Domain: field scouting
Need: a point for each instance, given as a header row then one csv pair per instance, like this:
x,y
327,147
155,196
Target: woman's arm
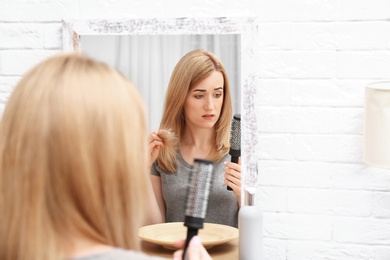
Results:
x,y
154,214
156,183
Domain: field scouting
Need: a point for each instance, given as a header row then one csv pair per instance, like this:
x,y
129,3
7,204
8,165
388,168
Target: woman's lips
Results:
x,y
208,117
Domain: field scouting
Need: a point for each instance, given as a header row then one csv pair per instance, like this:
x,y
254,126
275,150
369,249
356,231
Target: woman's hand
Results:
x,y
233,177
155,143
195,250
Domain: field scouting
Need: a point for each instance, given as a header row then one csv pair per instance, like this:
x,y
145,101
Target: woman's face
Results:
x,y
204,102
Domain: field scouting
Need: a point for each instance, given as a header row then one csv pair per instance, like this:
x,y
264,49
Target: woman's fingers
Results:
x,y
233,176
154,137
232,171
233,183
155,142
235,166
195,251
179,244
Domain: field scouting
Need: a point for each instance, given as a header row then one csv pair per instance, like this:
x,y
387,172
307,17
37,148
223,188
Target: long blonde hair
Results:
x,y
192,68
72,157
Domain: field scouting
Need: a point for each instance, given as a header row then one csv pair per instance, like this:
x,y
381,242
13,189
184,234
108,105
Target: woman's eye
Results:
x,y
198,96
217,95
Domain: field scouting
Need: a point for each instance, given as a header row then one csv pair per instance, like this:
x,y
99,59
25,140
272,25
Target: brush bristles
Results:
x,y
198,192
235,134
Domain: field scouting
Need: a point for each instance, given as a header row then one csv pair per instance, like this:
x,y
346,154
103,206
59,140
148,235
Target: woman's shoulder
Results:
x,y
119,254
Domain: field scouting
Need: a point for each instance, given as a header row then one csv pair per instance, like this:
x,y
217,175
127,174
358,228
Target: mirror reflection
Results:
x,y
196,125
148,61
237,34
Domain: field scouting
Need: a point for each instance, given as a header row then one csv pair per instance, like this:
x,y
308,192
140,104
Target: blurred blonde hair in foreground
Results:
x,y
73,159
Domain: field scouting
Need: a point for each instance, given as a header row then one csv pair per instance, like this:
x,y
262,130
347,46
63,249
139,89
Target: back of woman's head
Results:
x,y
72,159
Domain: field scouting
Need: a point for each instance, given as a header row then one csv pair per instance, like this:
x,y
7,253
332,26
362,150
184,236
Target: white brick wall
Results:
x,y
314,58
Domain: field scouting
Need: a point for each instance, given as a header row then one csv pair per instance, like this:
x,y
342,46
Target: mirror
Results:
x,y
225,30
148,61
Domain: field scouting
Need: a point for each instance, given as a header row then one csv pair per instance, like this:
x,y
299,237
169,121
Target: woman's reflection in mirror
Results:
x,y
196,123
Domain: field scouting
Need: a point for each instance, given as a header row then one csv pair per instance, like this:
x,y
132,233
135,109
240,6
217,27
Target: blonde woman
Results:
x,y
196,123
73,159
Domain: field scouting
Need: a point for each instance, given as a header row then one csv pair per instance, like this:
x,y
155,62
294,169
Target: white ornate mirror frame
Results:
x,y
246,28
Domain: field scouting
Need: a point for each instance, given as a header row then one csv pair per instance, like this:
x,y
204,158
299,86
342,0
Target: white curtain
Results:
x,y
148,61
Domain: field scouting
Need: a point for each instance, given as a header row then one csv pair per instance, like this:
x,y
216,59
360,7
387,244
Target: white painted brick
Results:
x,y
274,92
381,253
363,65
330,202
213,8
276,146
273,199
362,231
351,251
282,40
348,36
275,225
21,36
323,175
310,120
303,10
340,93
120,8
52,36
330,148
295,174
38,10
295,120
363,35
274,249
315,36
297,226
381,204
309,227
151,8
7,84
4,96
381,177
297,64
364,10
347,120
359,177
17,62
305,250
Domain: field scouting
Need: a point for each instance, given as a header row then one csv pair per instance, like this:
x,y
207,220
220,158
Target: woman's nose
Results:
x,y
209,104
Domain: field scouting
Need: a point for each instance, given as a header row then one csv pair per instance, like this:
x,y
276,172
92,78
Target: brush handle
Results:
x,y
191,232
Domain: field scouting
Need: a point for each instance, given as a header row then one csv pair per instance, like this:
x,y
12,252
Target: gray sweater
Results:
x,y
222,206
